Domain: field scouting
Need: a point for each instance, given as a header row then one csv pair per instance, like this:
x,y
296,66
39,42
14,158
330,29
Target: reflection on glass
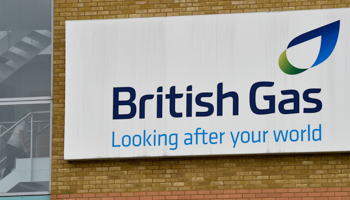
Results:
x,y
25,48
25,71
24,148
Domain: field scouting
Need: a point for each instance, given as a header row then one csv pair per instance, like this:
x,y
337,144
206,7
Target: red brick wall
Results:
x,y
251,194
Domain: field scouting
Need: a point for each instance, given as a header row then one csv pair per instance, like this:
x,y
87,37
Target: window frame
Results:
x,y
37,100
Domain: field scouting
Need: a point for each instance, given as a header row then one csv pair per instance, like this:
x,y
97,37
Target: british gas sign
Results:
x,y
208,85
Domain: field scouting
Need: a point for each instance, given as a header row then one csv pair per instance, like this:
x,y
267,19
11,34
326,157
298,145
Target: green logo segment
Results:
x,y
329,36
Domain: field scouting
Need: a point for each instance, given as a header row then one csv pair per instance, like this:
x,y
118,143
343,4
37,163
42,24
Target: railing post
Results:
x,y
37,141
31,147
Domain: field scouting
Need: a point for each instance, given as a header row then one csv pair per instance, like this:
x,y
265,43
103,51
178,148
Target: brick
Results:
x,y
314,194
288,194
335,198
62,196
223,196
146,198
197,196
248,195
303,194
140,193
327,194
236,195
345,189
217,192
275,195
127,194
308,189
242,191
101,195
184,197
158,197
152,193
205,192
229,191
191,192
89,195
281,190
308,198
341,194
264,195
294,190
211,196
164,193
172,197
334,189
321,190
120,198
268,190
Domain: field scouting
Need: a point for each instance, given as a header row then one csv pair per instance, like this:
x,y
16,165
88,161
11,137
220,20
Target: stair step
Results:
x,y
30,187
38,37
3,60
26,47
13,56
5,69
4,66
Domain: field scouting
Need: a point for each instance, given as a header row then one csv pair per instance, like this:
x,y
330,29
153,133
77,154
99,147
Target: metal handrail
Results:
x,y
3,34
42,130
28,140
31,140
37,134
3,127
27,115
36,121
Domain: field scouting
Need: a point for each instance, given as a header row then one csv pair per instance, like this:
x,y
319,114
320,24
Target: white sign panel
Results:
x,y
208,85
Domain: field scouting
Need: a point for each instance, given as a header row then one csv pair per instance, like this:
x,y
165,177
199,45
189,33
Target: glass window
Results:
x,y
25,148
25,80
25,48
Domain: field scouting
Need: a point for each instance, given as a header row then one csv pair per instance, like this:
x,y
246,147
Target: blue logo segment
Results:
x,y
329,37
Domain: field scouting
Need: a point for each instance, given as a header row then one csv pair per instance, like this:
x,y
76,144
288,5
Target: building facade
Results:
x,y
278,176
283,176
26,98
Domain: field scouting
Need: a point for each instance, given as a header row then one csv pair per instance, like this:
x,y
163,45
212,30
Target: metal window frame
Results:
x,y
50,153
25,194
37,100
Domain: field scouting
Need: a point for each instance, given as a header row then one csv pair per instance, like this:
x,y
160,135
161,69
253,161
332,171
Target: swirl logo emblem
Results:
x,y
329,36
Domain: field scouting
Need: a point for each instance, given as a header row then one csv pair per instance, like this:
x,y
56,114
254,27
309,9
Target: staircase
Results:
x,y
19,47
33,175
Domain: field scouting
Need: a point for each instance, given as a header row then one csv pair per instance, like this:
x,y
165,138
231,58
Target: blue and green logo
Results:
x,y
329,36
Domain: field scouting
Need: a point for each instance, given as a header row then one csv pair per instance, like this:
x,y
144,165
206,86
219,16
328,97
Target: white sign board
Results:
x,y
208,85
